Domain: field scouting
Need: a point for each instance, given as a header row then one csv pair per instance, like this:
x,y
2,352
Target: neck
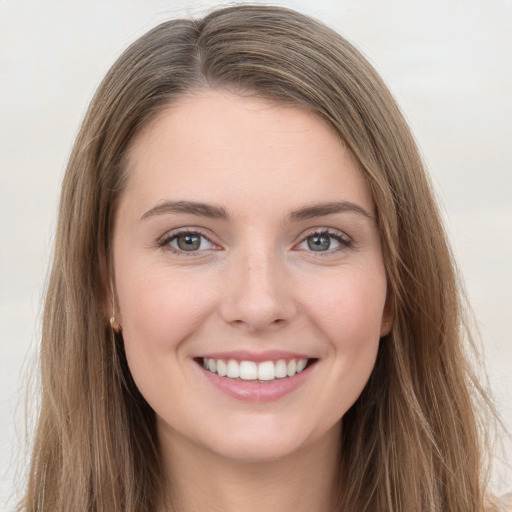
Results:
x,y
300,482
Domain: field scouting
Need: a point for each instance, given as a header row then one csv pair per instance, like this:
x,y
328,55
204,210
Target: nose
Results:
x,y
257,295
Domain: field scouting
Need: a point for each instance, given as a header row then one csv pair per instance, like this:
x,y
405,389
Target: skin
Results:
x,y
254,284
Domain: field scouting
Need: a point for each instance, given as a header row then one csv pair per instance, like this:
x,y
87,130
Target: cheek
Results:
x,y
347,312
160,314
349,307
158,309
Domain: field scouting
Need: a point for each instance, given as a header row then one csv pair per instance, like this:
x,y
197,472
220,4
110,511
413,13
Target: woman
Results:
x,y
252,301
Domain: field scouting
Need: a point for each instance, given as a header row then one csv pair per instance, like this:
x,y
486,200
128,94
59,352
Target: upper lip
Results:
x,y
257,357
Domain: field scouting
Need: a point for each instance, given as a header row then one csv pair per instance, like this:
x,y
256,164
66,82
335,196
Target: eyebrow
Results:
x,y
218,212
329,208
191,207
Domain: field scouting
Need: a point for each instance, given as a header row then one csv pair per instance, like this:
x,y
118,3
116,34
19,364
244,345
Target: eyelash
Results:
x,y
344,241
165,242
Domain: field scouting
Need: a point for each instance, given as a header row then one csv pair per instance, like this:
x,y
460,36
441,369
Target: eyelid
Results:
x,y
344,240
165,240
326,231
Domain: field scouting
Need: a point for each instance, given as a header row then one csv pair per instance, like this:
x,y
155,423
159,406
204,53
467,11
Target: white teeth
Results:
x,y
291,369
301,364
281,369
233,371
266,371
222,368
250,370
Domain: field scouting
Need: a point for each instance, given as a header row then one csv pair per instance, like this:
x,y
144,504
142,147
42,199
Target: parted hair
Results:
x,y
415,438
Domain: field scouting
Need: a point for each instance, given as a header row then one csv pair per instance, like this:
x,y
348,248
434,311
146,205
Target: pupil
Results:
x,y
319,242
189,242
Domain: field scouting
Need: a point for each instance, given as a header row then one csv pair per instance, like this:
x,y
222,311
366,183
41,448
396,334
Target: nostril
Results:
x,y
255,325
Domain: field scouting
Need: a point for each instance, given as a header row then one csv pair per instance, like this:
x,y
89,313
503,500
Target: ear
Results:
x,y
110,307
109,296
388,317
106,289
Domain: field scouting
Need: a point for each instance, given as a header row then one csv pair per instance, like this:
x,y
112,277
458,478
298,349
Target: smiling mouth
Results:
x,y
265,372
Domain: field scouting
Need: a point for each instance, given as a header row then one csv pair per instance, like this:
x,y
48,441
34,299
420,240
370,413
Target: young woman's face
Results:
x,y
246,242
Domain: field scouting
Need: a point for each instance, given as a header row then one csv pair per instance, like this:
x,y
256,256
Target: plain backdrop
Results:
x,y
448,62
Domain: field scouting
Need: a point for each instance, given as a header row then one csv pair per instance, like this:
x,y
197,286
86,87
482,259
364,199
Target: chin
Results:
x,y
259,449
266,440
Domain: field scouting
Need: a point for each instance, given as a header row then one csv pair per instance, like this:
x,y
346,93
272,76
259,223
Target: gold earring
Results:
x,y
115,325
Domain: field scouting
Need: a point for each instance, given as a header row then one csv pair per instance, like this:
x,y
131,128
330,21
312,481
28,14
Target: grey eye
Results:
x,y
324,241
319,242
189,242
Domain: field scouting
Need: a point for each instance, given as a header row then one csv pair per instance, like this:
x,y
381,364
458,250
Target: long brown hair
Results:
x,y
412,441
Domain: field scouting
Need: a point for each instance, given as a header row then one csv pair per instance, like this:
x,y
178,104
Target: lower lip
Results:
x,y
251,391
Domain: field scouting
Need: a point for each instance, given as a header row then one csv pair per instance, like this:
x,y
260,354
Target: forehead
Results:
x,y
217,146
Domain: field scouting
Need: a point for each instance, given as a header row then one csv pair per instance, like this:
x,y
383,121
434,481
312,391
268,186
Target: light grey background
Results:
x,y
448,62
